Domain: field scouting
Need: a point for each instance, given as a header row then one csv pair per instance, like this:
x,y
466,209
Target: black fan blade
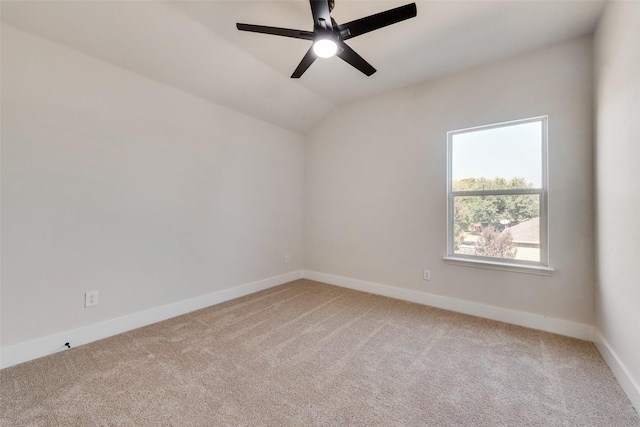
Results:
x,y
305,63
374,22
321,14
285,32
349,55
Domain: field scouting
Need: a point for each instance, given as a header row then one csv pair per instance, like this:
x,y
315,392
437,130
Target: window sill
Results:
x,y
497,265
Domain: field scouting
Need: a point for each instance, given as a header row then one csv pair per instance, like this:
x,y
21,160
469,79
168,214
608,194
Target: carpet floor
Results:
x,y
307,353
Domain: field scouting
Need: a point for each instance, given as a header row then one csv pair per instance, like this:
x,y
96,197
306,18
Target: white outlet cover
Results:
x,y
90,298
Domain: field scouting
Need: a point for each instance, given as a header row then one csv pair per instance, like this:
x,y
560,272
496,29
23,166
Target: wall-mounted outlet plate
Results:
x,y
287,259
90,298
426,275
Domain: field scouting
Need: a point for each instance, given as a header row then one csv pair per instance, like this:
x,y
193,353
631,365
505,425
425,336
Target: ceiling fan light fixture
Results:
x,y
328,37
325,48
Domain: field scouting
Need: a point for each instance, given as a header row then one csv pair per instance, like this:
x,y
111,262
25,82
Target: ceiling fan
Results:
x,y
329,38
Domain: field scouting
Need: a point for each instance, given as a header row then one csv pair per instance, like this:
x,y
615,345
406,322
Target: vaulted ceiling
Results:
x,y
195,46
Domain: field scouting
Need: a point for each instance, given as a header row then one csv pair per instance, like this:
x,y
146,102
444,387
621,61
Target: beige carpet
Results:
x,y
307,353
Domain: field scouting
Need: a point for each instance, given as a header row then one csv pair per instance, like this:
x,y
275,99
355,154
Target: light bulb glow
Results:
x,y
325,48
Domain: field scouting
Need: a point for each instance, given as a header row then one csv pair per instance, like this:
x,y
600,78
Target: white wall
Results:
x,y
375,183
117,183
617,64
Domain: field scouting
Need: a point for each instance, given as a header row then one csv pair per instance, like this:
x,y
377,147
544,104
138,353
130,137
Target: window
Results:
x,y
497,196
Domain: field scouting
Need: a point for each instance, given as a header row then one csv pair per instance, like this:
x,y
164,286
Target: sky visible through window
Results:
x,y
507,152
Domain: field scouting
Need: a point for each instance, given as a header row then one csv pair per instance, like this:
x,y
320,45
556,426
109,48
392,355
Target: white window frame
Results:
x,y
521,266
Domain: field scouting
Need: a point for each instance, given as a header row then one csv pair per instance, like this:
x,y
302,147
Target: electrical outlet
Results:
x,y
287,259
90,298
426,275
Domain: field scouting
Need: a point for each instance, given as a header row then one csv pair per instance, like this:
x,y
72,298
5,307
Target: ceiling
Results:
x,y
194,45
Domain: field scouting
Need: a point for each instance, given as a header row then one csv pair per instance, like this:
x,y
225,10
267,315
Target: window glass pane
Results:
x,y
503,157
505,227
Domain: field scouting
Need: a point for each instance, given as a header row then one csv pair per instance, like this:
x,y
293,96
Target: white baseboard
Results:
x,y
529,320
622,374
40,347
